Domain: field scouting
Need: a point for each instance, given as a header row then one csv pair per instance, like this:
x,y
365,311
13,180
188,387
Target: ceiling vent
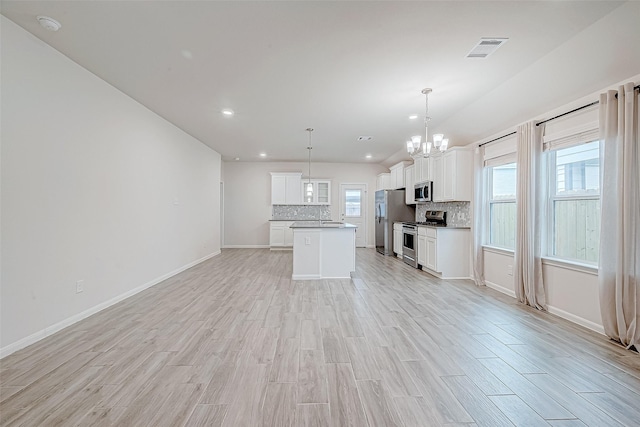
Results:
x,y
485,47
364,138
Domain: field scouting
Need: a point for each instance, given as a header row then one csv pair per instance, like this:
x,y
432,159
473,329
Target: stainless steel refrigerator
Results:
x,y
390,208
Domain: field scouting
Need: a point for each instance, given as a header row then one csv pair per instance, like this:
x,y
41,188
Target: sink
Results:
x,y
332,222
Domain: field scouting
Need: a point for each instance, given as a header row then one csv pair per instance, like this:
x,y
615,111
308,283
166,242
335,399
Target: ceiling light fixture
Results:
x,y
49,23
413,117
414,148
228,112
368,156
308,193
263,154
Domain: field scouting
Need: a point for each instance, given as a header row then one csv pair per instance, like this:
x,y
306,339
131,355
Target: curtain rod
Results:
x,y
568,112
552,118
500,137
577,109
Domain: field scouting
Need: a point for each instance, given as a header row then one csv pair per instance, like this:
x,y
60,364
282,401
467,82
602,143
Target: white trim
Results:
x,y
576,319
50,330
440,276
570,265
501,289
281,248
246,247
499,251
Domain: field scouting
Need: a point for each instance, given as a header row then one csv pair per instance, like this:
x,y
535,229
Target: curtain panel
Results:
x,y
478,215
619,261
530,203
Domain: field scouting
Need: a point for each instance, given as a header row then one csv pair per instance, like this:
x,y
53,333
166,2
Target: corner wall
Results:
x,y
95,187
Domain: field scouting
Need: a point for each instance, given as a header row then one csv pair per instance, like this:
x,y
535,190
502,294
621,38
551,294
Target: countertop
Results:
x,y
448,227
322,224
294,220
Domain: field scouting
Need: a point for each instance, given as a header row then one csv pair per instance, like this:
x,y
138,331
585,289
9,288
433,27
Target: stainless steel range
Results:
x,y
410,235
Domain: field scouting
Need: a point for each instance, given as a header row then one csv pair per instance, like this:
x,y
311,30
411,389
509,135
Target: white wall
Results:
x,y
95,187
572,292
247,188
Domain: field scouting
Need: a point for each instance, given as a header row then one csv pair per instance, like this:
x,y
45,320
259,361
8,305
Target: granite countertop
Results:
x,y
458,227
294,220
322,224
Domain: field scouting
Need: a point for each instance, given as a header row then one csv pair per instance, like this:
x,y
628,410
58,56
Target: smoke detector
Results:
x,y
485,47
49,23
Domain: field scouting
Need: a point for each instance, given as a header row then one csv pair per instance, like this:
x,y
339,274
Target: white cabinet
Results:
x,y
397,177
285,188
423,169
397,239
320,192
409,181
422,249
280,234
438,179
444,252
383,182
453,173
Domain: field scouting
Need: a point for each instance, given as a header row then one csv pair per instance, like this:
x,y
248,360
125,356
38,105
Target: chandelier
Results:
x,y
308,192
414,146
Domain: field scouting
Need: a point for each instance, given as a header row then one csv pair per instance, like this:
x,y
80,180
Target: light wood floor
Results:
x,y
234,342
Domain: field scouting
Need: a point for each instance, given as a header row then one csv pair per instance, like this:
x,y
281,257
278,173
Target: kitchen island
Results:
x,y
323,250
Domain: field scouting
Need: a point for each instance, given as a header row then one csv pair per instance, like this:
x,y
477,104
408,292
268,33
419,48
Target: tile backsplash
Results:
x,y
458,213
300,212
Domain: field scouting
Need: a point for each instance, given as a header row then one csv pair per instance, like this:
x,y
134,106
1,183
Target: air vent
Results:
x,y
364,138
485,47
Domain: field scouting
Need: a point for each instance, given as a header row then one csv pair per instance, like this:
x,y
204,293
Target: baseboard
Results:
x,y
500,289
576,319
246,247
50,330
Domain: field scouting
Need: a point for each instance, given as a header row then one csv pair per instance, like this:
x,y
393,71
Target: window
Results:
x,y
502,205
353,202
574,203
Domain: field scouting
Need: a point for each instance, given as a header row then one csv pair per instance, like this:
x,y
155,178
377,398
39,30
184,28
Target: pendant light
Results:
x,y
308,193
414,147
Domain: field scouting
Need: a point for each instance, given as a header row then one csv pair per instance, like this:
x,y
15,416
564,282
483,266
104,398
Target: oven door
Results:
x,y
409,243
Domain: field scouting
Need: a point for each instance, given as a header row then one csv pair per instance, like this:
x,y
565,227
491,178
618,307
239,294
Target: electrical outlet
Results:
x,y
79,286
510,270
307,240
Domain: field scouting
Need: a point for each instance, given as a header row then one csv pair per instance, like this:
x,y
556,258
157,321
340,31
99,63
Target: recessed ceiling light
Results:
x,y
263,154
186,53
237,159
228,112
49,23
413,117
368,156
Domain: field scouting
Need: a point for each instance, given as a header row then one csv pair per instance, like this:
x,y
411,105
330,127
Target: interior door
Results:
x,y
353,209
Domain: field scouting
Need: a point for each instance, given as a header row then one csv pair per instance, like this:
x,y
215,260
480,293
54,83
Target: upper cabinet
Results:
x,y
452,172
423,169
409,181
285,188
383,182
320,193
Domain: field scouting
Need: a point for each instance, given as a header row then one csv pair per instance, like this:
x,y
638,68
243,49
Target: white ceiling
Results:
x,y
344,68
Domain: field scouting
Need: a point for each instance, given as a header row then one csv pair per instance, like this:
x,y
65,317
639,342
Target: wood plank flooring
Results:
x,y
235,342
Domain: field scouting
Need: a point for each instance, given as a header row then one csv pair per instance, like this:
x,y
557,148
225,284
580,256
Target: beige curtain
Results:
x,y
478,217
530,203
619,269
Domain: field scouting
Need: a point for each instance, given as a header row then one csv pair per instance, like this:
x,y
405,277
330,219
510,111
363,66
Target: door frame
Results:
x,y
364,206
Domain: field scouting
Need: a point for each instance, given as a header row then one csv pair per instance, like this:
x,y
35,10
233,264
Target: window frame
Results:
x,y
489,201
552,197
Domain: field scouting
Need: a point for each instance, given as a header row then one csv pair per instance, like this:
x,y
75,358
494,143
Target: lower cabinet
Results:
x,y
444,252
397,239
281,235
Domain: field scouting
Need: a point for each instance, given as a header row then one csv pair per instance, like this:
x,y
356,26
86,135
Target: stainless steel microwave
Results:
x,y
423,191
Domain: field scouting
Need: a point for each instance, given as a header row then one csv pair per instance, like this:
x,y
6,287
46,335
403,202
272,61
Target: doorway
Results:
x,y
353,209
